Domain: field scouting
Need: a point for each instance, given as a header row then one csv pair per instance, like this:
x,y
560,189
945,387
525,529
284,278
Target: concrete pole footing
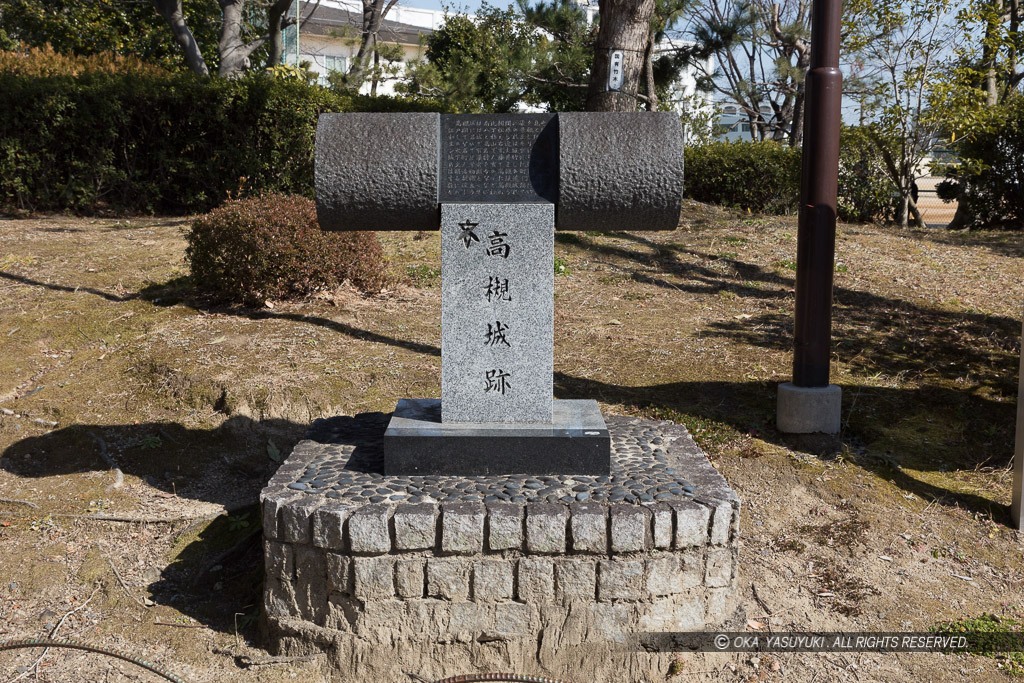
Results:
x,y
808,410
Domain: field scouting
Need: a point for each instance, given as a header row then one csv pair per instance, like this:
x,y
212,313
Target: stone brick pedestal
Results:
x,y
438,576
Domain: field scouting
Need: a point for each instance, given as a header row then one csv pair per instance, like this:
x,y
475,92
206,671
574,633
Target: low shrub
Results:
x,y
270,247
759,176
765,177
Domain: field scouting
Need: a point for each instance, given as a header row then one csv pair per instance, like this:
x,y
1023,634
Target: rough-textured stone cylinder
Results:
x,y
377,171
619,171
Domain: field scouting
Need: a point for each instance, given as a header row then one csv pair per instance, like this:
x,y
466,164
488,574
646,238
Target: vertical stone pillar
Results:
x,y
497,312
1018,454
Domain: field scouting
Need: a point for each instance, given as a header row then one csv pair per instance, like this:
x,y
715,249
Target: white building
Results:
x,y
330,32
733,124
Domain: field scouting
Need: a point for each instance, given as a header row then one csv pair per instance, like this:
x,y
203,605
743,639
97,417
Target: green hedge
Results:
x,y
865,192
759,176
168,143
102,134
765,177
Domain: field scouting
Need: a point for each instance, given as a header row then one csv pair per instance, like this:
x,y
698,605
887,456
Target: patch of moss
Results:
x,y
991,635
711,435
422,275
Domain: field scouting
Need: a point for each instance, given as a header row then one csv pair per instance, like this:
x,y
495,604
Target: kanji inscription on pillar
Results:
x,y
497,283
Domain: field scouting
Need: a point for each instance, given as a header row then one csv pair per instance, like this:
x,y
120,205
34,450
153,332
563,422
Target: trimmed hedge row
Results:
x,y
170,143
764,177
760,176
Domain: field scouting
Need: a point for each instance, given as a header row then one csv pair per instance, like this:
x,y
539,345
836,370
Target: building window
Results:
x,y
730,110
332,63
745,127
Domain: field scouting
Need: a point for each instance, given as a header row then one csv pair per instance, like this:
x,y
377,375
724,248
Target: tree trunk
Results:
x,y
234,53
374,12
990,52
796,127
902,211
650,88
172,13
275,25
792,44
376,69
915,212
961,218
625,25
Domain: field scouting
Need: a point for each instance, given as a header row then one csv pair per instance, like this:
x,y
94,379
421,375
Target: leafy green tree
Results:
x,y
980,92
6,42
1002,45
662,67
541,54
900,45
988,181
565,50
225,36
477,66
125,27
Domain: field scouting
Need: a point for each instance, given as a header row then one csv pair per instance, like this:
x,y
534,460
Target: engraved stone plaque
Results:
x,y
497,312
499,158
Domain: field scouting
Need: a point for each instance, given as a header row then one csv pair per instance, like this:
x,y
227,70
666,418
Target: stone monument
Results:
x,y
496,525
497,186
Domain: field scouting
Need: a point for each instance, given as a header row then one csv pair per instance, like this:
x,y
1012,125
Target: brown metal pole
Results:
x,y
816,236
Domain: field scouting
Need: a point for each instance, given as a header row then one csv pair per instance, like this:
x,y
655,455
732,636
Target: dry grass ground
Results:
x,y
106,355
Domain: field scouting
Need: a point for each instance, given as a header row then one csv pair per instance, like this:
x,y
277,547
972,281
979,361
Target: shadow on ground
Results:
x,y
881,427
938,349
216,574
217,568
870,332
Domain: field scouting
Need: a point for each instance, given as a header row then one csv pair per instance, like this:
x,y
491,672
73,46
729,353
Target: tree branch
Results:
x,y
173,14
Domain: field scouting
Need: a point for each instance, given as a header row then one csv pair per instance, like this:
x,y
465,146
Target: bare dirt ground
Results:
x,y
109,359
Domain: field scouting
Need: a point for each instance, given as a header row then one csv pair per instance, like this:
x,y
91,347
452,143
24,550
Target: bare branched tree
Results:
x,y
762,52
233,49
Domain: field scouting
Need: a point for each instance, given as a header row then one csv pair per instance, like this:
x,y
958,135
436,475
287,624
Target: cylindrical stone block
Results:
x,y
377,171
619,171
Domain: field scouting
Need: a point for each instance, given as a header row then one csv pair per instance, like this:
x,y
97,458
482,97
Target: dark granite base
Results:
x,y
417,443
